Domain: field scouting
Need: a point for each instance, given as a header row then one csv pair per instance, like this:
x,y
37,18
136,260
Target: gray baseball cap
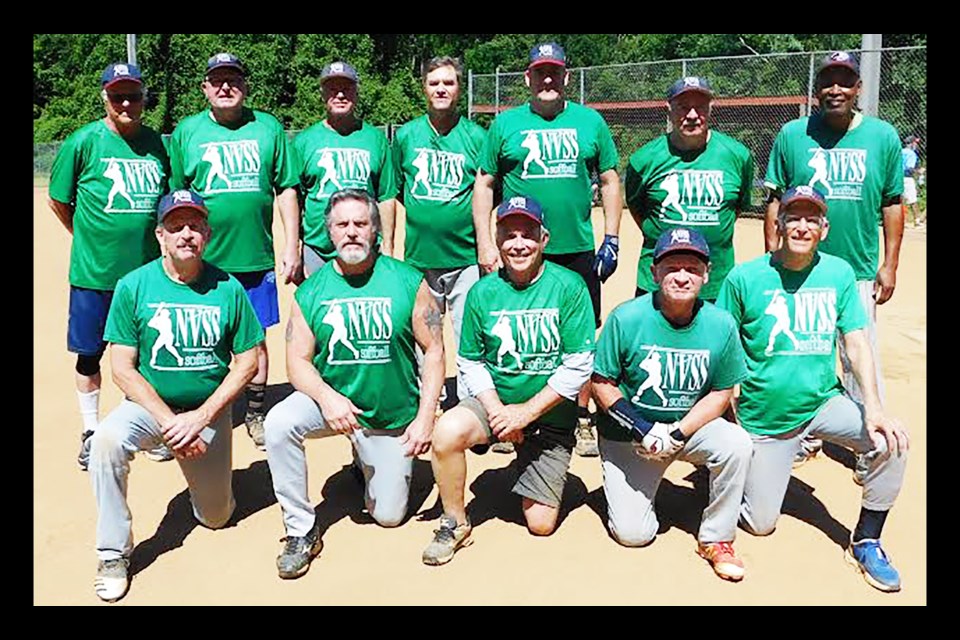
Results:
x,y
339,69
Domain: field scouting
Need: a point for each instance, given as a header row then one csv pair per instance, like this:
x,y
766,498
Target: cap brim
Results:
x,y
518,212
339,75
822,206
544,61
706,92
683,248
231,65
122,79
845,65
185,205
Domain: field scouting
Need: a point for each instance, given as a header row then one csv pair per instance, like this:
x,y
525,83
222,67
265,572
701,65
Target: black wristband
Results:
x,y
624,413
676,434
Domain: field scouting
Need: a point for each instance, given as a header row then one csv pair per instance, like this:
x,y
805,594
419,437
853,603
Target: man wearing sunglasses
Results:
x,y
854,160
104,187
238,159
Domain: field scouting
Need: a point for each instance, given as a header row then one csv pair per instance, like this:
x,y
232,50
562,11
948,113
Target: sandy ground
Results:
x,y
177,562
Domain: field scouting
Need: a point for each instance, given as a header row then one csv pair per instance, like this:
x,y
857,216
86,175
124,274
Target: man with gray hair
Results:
x,y
350,358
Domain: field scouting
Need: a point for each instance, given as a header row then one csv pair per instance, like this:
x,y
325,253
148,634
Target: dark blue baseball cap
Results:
x,y
339,69
690,83
803,193
180,199
521,206
219,60
547,53
681,239
839,59
120,71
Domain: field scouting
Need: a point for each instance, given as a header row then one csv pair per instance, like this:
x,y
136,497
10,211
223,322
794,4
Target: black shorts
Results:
x,y
582,263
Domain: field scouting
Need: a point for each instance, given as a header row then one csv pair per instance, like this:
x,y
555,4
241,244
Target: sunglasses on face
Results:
x,y
120,98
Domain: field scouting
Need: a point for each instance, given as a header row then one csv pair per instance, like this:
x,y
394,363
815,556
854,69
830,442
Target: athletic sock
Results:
x,y
583,412
870,525
89,409
255,392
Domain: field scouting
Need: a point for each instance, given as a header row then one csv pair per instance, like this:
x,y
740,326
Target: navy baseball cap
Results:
x,y
803,193
839,59
219,60
120,71
339,69
521,206
180,199
690,83
681,239
547,53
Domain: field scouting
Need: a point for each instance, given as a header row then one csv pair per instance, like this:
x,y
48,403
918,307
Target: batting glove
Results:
x,y
658,444
606,261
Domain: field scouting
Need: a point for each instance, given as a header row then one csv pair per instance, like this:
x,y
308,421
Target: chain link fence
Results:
x,y
756,95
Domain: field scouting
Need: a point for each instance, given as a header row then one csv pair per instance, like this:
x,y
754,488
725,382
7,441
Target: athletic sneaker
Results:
x,y
255,430
722,558
502,447
586,439
809,448
868,556
294,560
83,459
446,540
112,580
160,453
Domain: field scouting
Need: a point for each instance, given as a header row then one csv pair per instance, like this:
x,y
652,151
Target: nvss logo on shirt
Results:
x,y
341,169
802,323
232,167
439,175
134,184
186,335
529,340
673,377
838,173
695,194
360,330
550,153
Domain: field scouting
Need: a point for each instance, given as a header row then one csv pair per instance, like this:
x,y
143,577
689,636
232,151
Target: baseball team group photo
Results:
x,y
413,319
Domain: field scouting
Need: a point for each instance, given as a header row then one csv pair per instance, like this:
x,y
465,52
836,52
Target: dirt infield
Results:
x,y
177,562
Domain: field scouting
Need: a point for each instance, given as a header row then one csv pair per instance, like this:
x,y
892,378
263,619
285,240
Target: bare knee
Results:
x,y
451,433
541,519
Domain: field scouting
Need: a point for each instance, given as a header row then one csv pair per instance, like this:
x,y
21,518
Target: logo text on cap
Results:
x,y
518,202
680,235
336,67
546,50
223,57
182,196
121,70
804,190
839,56
691,82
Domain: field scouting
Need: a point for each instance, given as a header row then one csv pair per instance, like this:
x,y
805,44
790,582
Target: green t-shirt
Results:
x,y
788,322
184,333
856,172
551,161
328,162
237,170
114,185
700,189
521,334
436,175
661,370
365,343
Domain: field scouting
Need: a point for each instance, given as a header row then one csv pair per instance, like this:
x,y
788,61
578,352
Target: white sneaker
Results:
x,y
112,580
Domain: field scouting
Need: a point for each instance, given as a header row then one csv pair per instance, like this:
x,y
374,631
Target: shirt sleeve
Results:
x,y
246,331
729,297
609,158
121,325
490,155
850,312
634,189
893,167
67,167
387,181
776,179
175,148
285,174
471,330
577,325
606,362
746,183
732,367
396,156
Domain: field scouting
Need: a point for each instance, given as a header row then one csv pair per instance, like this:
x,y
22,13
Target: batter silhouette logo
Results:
x,y
134,185
340,168
528,340
692,197
356,330
802,323
671,379
837,173
186,336
230,167
439,175
549,154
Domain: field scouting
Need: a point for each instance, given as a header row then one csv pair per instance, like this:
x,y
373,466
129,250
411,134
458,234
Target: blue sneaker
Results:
x,y
869,557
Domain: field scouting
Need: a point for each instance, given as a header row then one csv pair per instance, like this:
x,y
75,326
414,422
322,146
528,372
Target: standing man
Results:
x,y
341,152
858,167
350,358
525,353
793,391
546,149
665,371
238,159
694,177
911,163
178,396
104,187
436,159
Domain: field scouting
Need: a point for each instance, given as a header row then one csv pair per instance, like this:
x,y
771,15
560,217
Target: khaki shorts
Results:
x,y
543,456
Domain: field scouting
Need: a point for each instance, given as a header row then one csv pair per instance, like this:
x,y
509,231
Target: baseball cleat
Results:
x,y
446,540
722,558
112,580
298,552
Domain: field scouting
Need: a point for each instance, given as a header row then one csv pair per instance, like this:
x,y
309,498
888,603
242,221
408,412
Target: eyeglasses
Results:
x,y
794,221
219,81
120,98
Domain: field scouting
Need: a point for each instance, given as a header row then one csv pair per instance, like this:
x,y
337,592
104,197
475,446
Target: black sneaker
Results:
x,y
294,560
83,458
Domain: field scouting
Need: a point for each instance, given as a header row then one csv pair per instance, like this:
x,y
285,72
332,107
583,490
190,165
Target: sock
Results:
x,y
89,409
583,412
870,524
255,391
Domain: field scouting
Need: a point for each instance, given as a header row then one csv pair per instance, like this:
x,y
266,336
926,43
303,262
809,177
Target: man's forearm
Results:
x,y
135,387
612,202
64,213
243,371
605,392
709,407
431,380
305,378
482,205
892,235
289,207
542,402
861,364
388,214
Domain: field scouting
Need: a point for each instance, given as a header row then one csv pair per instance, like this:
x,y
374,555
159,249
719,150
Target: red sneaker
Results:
x,y
725,562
